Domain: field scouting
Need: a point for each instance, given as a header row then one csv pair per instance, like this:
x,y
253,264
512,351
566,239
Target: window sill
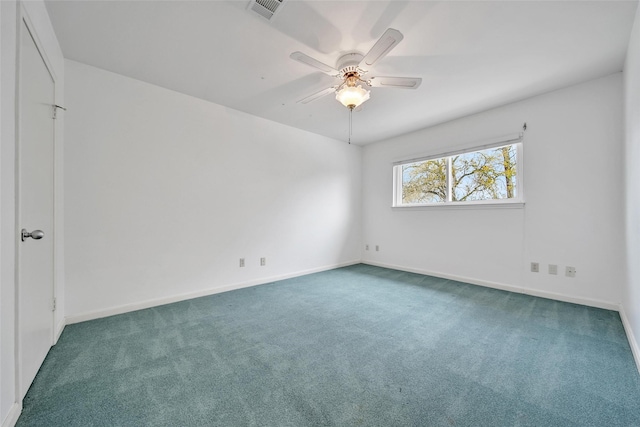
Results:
x,y
456,206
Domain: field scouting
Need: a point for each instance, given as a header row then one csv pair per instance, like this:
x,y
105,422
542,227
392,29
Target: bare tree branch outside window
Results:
x,y
479,175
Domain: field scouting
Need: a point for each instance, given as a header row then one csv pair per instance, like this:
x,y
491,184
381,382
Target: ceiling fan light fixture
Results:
x,y
352,96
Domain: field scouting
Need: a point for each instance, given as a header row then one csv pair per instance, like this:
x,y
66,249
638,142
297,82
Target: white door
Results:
x,y
35,209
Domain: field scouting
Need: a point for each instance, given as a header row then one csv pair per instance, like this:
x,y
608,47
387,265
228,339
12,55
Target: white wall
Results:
x,y
165,192
573,192
10,14
631,291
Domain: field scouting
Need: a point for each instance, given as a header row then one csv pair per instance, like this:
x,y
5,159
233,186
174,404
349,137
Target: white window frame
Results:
x,y
516,202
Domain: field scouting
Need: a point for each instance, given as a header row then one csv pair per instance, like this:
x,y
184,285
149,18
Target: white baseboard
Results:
x,y
126,308
495,285
635,349
12,417
59,328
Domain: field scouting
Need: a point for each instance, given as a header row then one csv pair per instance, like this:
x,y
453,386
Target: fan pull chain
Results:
x,y
350,123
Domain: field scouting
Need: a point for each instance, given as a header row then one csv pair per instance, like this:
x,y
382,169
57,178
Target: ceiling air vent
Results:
x,y
265,8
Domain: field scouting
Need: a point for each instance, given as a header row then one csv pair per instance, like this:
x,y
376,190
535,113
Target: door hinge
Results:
x,y
53,307
55,110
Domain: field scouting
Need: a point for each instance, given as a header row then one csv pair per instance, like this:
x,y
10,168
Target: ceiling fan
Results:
x,y
352,67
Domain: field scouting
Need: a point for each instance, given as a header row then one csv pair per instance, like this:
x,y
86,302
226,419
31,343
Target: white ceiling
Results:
x,y
471,55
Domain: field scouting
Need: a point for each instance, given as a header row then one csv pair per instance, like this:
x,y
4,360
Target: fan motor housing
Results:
x,y
348,64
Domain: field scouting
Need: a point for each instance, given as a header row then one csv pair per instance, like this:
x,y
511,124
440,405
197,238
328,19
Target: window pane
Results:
x,y
484,175
424,182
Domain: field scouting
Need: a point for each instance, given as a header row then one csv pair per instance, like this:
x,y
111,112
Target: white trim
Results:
x,y
126,308
449,184
495,285
484,204
520,170
58,330
635,349
397,186
12,417
26,16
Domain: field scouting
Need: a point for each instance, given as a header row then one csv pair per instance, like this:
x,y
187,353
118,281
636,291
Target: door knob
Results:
x,y
35,234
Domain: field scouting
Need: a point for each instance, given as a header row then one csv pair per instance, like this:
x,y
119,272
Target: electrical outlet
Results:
x,y
535,267
553,269
570,272
241,262
366,247
263,261
377,248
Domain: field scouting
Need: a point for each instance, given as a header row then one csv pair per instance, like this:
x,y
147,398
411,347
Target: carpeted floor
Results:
x,y
355,346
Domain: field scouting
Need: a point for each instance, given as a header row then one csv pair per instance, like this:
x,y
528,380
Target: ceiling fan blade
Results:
x,y
317,95
307,60
400,82
383,46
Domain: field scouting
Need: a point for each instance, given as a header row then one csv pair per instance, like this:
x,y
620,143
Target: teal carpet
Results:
x,y
355,346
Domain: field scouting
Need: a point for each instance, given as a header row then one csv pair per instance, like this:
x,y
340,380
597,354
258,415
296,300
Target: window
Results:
x,y
485,175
